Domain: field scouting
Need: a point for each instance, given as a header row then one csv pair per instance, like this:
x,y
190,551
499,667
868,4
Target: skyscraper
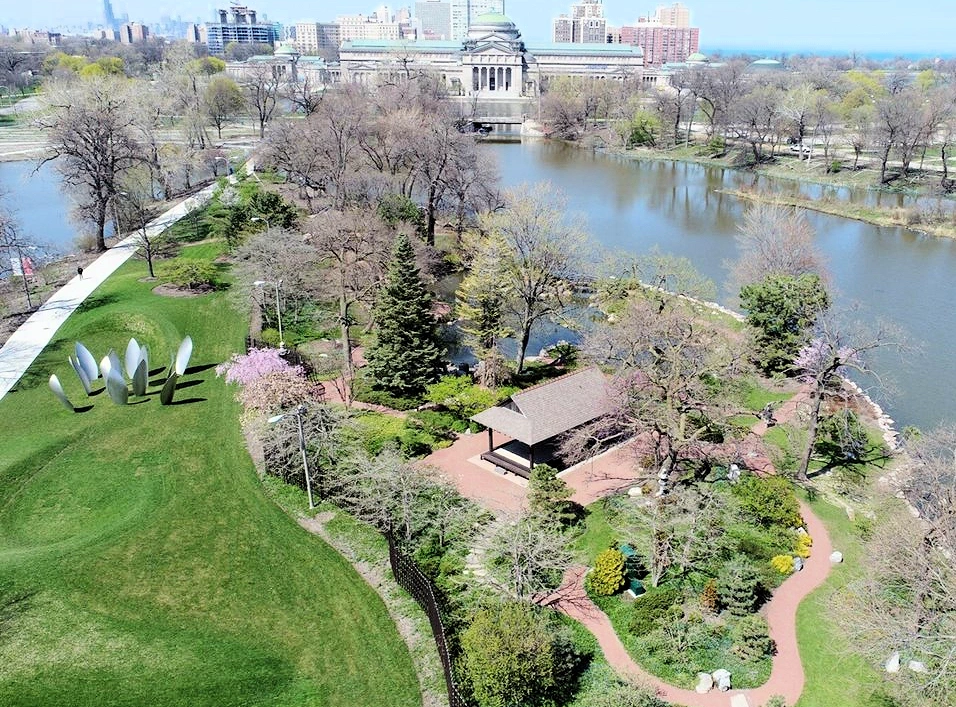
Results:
x,y
109,19
586,24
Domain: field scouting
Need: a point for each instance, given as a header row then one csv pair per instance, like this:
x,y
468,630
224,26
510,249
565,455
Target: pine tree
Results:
x,y
407,354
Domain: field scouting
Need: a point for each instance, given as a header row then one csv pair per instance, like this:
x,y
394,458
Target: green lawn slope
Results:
x,y
140,561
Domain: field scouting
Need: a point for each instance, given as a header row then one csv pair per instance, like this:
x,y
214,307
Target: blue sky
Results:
x,y
888,26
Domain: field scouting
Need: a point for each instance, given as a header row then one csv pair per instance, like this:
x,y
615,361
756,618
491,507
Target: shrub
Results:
x,y
776,701
842,438
607,577
509,655
192,274
270,337
782,563
803,545
769,501
365,393
651,608
548,496
739,587
460,396
751,638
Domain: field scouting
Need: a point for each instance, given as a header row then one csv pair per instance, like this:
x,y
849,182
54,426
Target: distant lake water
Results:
x,y
38,202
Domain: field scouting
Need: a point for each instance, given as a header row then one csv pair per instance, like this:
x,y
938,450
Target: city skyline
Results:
x,y
820,25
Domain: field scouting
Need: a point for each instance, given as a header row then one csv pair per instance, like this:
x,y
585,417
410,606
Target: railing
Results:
x,y
413,580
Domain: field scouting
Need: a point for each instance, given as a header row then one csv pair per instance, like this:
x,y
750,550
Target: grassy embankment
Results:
x,y
140,560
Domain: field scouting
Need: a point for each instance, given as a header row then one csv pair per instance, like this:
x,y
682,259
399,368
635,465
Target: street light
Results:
x,y
298,412
277,284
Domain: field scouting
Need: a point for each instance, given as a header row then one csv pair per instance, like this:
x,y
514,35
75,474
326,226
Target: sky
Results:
x,y
923,27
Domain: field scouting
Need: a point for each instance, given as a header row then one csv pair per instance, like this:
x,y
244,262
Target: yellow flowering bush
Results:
x,y
782,563
804,543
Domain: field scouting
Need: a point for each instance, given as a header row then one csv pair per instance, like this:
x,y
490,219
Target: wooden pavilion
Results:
x,y
536,418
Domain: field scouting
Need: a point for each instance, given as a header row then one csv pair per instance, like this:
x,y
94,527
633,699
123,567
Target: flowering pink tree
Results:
x,y
267,382
835,351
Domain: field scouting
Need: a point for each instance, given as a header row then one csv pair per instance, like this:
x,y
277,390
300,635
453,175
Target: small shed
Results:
x,y
534,419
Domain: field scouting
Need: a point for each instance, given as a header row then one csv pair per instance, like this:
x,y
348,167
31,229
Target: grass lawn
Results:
x,y
834,674
140,561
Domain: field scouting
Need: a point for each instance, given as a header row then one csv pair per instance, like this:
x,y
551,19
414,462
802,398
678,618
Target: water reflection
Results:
x,y
895,274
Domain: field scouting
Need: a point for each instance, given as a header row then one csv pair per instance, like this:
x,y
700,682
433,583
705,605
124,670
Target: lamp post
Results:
x,y
277,284
298,412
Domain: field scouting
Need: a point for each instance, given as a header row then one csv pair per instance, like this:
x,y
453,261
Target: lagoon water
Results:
x,y
892,273
40,206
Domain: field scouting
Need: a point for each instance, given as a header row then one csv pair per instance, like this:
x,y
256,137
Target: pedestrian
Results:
x,y
79,271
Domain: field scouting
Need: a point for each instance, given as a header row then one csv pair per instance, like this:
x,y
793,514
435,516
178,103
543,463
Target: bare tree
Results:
x,y
135,201
774,240
92,134
355,249
664,358
527,558
19,255
262,85
544,252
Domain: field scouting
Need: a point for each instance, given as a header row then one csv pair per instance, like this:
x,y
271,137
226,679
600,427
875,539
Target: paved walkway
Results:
x,y
786,676
26,343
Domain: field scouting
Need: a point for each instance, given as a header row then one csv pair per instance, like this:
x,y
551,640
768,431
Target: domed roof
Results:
x,y
492,23
767,62
697,56
285,50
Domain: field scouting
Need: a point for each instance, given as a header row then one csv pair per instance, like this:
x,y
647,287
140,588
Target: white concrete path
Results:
x,y
26,343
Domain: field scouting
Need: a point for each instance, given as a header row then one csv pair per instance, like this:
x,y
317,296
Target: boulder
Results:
x,y
705,683
917,666
892,664
635,491
721,679
836,557
797,564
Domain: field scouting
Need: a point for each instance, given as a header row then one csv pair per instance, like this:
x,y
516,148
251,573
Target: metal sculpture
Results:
x,y
116,387
140,378
182,356
132,357
58,392
169,389
105,365
86,360
81,374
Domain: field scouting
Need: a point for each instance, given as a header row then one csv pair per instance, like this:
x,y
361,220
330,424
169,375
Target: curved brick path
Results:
x,y
786,676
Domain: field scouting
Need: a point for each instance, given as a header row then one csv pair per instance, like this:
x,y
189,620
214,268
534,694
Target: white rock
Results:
x,y
836,557
722,679
797,564
917,666
705,683
892,664
635,491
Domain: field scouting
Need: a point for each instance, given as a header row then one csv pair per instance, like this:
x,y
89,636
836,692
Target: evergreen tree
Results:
x,y
407,354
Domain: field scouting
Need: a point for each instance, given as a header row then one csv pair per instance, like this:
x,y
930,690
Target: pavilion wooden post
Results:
x,y
491,440
531,456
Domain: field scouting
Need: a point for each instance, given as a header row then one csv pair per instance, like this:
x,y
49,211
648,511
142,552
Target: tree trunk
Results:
x,y
883,160
803,473
347,371
101,225
430,211
523,345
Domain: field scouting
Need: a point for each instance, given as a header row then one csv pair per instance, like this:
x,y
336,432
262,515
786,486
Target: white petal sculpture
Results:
x,y
116,387
58,392
182,356
87,361
140,379
115,364
105,365
132,357
81,374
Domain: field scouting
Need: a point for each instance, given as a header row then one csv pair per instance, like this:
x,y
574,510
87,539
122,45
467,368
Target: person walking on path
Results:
x,y
79,272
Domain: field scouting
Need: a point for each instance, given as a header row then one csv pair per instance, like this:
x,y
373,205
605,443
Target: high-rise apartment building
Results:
x,y
434,19
362,27
109,19
132,32
666,37
315,37
675,15
238,24
586,25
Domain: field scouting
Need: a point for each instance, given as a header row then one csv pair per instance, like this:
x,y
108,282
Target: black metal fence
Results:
x,y
413,580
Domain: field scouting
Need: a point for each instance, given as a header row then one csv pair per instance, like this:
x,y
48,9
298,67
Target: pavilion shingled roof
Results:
x,y
550,409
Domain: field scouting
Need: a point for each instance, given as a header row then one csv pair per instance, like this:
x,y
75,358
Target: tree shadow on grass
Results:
x,y
94,301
